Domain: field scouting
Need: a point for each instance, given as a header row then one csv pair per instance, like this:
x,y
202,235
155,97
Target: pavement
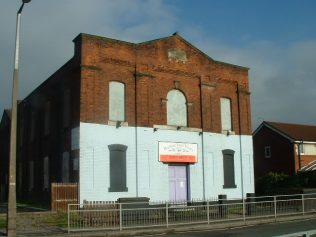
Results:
x,y
27,229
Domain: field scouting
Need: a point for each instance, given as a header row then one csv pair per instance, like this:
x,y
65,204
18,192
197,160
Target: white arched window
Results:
x,y
176,108
116,101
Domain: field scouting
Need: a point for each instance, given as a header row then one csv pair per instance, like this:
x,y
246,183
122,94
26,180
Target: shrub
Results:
x,y
274,182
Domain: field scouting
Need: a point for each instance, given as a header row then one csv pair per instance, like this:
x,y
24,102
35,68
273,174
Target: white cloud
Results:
x,y
48,28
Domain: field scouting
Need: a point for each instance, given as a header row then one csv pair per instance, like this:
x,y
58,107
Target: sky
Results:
x,y
276,39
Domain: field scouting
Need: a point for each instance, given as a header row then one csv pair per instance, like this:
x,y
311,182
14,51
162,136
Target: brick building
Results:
x,y
284,148
157,119
4,153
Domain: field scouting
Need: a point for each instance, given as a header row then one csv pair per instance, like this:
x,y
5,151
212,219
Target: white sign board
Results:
x,y
178,152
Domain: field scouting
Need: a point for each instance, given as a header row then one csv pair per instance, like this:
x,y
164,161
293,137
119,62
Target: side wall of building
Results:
x,y
281,158
45,121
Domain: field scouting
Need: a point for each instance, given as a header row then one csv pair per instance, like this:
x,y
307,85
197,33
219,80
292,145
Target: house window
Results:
x,y
229,169
65,167
117,168
301,148
267,151
116,101
226,115
176,108
46,173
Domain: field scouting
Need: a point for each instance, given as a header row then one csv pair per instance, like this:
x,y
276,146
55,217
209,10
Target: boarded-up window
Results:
x,y
21,130
116,101
176,108
31,175
75,164
46,173
66,108
20,176
117,168
65,167
226,115
47,119
32,126
229,169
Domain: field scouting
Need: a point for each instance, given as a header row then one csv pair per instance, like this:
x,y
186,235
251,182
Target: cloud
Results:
x,y
282,77
48,28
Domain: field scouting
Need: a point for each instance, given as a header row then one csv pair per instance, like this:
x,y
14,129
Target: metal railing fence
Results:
x,y
119,216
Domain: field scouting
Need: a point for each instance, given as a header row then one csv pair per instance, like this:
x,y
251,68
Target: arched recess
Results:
x,y
176,108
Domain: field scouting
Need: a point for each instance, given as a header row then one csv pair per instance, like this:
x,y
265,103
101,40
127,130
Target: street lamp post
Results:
x,y
11,217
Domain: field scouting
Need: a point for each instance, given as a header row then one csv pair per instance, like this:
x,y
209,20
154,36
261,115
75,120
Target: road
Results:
x,y
264,230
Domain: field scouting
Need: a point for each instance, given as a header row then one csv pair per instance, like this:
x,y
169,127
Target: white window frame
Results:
x,y
267,152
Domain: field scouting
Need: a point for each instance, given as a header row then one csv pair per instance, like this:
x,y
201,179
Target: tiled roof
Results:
x,y
297,132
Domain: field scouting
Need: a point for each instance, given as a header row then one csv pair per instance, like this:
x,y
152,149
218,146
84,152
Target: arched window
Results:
x,y
176,108
116,101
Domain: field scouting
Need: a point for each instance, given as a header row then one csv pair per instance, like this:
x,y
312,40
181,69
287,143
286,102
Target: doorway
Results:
x,y
178,183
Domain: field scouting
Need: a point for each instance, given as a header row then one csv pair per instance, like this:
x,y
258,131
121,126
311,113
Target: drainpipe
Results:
x,y
136,135
202,137
299,155
240,142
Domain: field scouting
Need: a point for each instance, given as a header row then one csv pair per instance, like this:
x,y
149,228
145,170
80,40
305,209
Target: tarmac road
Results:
x,y
292,228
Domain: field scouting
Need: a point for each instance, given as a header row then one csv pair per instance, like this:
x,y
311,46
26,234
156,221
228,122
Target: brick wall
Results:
x,y
282,153
150,70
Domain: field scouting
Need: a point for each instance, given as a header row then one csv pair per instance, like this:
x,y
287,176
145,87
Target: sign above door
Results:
x,y
177,152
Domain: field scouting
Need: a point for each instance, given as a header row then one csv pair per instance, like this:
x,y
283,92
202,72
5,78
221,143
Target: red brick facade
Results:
x,y
147,71
282,153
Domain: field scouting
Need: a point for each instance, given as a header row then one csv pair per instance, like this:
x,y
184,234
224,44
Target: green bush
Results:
x,y
307,179
3,222
275,182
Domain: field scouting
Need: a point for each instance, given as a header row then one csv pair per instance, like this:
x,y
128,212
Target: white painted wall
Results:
x,y
150,179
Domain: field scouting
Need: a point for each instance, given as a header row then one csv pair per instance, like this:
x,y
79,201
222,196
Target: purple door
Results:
x,y
177,183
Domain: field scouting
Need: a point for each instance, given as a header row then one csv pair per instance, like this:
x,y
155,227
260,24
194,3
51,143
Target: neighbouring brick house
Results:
x,y
284,148
157,119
